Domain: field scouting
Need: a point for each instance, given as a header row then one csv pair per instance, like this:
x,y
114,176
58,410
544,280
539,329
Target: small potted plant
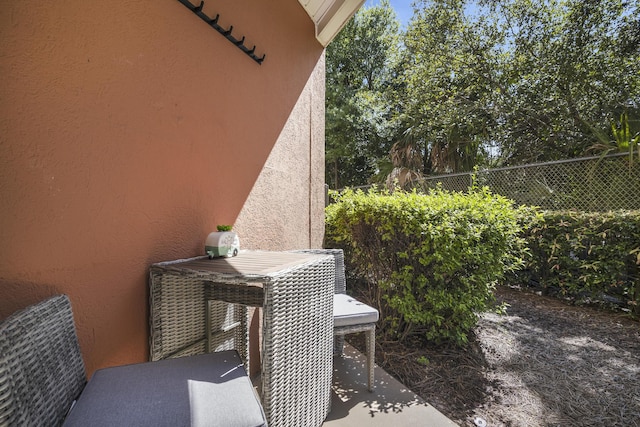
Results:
x,y
222,243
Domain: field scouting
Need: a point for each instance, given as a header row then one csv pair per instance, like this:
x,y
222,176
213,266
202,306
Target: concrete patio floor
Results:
x,y
391,404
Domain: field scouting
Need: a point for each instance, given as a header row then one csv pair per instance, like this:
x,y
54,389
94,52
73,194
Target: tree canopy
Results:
x,y
358,113
488,82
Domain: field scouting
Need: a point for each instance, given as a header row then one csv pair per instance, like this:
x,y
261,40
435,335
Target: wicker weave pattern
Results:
x,y
297,323
340,331
41,369
297,345
340,285
178,313
338,256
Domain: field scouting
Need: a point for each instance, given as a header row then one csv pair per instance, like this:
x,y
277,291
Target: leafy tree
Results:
x,y
515,82
358,114
541,80
570,76
449,73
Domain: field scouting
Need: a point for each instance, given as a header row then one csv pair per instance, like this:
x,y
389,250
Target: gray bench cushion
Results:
x,y
204,390
349,311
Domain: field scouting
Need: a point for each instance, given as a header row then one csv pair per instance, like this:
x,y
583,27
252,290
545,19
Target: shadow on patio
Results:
x,y
390,404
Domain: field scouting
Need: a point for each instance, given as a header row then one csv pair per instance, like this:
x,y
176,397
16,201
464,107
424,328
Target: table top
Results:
x,y
248,265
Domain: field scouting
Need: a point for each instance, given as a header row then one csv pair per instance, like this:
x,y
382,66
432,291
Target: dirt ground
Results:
x,y
544,363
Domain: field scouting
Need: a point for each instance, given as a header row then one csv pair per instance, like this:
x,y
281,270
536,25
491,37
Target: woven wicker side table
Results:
x,y
295,292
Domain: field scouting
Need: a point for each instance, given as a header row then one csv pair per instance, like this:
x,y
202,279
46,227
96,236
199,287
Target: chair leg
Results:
x,y
338,345
371,355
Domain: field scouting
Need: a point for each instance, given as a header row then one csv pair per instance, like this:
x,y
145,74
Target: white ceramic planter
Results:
x,y
222,244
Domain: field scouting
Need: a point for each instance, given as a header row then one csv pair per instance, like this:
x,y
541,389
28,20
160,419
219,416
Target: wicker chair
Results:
x,y
43,383
349,314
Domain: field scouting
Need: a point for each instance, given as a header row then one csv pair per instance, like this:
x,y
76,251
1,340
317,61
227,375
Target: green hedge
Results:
x,y
429,262
585,257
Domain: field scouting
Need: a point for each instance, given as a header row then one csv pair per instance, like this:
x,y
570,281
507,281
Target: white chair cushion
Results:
x,y
349,311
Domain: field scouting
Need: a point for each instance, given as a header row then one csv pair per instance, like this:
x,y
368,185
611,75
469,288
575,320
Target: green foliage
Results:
x,y
623,138
542,80
423,360
224,227
516,82
586,257
429,262
448,76
358,113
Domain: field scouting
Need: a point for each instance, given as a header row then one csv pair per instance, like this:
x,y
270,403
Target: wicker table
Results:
x,y
199,305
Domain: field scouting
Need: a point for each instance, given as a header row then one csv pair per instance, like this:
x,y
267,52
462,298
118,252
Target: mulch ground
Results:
x,y
544,363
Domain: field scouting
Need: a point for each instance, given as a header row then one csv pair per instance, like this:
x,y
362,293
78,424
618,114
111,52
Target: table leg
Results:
x,y
298,346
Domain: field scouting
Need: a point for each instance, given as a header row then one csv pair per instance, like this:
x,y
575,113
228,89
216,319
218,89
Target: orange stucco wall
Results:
x,y
128,130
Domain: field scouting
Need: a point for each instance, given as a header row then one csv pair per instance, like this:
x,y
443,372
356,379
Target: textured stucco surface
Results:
x,y
285,209
128,130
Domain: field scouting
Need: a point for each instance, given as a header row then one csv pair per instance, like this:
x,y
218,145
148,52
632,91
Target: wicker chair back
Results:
x,y
41,368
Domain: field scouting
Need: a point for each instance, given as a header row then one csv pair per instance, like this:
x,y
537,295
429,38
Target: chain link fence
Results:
x,y
590,184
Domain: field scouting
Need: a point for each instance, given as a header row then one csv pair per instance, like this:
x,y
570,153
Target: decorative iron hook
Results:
x,y
227,33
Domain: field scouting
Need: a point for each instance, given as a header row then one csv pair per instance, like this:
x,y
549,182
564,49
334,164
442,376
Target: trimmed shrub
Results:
x,y
584,257
429,261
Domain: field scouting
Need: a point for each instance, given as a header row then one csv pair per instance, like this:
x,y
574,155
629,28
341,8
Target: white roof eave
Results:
x,y
329,16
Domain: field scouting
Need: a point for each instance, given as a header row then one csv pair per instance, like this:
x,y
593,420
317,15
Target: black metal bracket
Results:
x,y
213,22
